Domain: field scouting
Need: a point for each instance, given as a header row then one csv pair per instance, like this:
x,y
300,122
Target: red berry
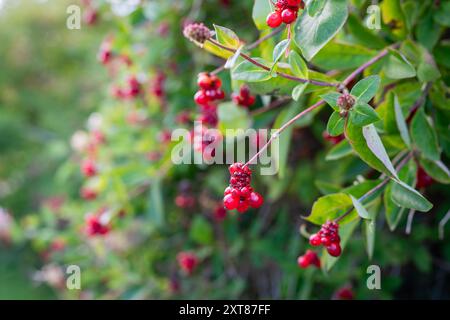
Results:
x,y
243,206
274,19
303,262
256,200
288,16
201,98
187,261
88,168
293,3
315,240
204,81
344,294
334,249
230,202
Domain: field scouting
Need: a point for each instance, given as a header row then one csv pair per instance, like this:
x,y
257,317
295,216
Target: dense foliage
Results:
x,y
360,116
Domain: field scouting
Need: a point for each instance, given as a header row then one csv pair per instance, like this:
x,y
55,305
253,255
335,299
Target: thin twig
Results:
x,y
255,44
281,74
410,221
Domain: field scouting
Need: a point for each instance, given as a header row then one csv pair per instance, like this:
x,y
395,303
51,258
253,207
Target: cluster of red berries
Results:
x,y
187,262
286,11
96,224
244,98
239,194
328,236
210,89
130,91
423,179
309,258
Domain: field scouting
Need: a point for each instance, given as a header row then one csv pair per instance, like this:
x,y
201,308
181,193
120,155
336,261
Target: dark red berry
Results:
x,y
201,98
315,240
256,200
230,202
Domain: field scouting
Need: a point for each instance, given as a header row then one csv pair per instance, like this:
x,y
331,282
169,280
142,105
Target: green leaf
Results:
x,y
342,56
201,231
366,89
279,51
401,123
247,71
261,10
298,91
298,65
232,117
339,151
363,114
363,35
393,212
335,125
314,7
424,136
363,140
370,231
313,33
403,195
331,98
392,13
362,212
398,67
345,232
227,37
330,207
436,169
361,188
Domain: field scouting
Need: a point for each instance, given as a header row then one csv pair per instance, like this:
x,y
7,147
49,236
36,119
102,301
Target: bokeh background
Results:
x,y
52,85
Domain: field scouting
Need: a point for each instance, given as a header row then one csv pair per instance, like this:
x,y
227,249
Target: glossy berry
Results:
x,y
315,240
334,249
288,16
294,3
308,259
187,262
274,19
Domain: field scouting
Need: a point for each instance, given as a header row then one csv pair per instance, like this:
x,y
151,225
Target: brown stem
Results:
x,y
281,74
284,127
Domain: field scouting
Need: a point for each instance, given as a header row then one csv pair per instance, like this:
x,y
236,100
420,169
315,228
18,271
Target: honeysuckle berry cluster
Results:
x,y
210,91
244,98
328,236
310,258
187,261
239,194
286,11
